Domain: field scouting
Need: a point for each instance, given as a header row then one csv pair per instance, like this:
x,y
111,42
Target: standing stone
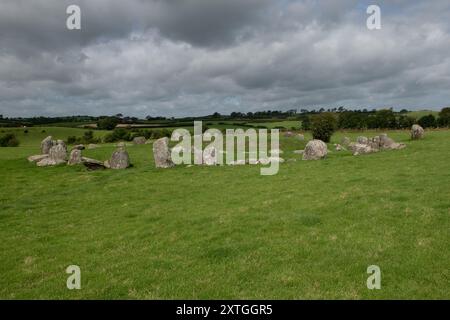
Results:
x,y
161,153
315,150
74,157
417,132
139,140
56,155
46,144
119,159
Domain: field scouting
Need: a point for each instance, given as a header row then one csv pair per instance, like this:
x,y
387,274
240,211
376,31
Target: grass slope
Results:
x,y
226,232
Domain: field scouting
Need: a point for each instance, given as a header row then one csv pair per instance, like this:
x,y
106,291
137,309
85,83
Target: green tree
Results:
x,y
107,123
444,118
385,119
323,126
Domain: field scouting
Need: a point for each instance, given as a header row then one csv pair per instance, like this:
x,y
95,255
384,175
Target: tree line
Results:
x,y
381,119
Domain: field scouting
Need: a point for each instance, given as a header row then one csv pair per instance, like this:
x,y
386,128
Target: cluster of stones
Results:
x,y
55,153
163,159
364,145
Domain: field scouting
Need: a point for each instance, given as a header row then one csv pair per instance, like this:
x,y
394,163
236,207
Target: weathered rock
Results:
x,y
389,144
46,144
210,156
92,164
79,147
46,162
417,132
37,158
162,154
119,159
315,150
139,140
362,140
345,141
358,148
59,152
74,157
56,155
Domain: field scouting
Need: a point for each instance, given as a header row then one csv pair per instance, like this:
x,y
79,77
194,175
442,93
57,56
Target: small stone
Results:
x,y
139,140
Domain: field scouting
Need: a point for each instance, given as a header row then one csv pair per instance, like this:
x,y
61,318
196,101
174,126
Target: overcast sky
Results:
x,y
196,57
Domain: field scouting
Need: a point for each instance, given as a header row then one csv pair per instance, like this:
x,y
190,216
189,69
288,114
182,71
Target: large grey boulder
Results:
x,y
119,160
315,150
139,140
417,132
162,154
74,157
46,144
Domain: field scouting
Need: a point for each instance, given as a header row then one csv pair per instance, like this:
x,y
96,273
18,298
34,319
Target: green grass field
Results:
x,y
227,232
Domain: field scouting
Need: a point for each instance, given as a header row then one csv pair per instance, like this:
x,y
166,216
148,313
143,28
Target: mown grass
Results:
x,y
308,232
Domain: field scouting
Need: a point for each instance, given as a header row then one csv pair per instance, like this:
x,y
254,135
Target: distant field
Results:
x,y
226,232
421,113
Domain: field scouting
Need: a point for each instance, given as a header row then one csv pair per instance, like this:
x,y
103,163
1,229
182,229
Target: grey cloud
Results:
x,y
180,58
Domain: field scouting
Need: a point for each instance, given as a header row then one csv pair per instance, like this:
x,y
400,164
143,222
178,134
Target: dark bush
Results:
x,y
323,126
72,140
119,134
9,140
428,121
405,122
444,118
